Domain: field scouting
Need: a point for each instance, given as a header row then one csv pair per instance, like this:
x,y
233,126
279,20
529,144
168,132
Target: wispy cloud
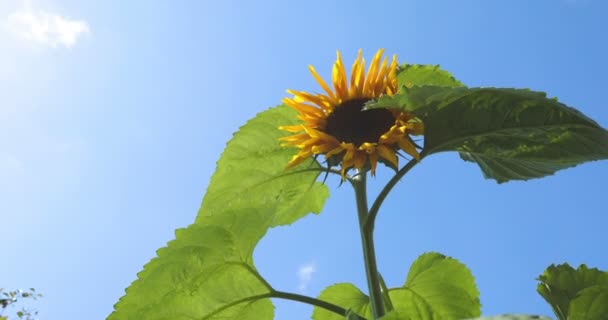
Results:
x,y
305,275
47,28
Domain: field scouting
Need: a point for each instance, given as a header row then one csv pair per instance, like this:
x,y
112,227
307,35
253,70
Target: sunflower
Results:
x,y
336,125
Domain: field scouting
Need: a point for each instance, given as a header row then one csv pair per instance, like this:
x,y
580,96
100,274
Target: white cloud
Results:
x,y
46,28
305,275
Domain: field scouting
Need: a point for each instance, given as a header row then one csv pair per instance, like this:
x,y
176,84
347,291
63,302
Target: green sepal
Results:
x,y
207,272
580,294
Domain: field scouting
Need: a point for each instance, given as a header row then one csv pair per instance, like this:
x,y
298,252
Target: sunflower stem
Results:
x,y
373,212
367,238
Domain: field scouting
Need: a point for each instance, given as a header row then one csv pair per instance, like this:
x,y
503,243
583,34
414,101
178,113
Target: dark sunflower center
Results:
x,y
350,123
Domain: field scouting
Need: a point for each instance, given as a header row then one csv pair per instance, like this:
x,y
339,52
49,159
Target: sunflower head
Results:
x,y
335,124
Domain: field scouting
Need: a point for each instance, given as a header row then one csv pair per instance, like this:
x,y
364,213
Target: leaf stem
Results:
x,y
287,296
367,238
312,301
370,220
234,303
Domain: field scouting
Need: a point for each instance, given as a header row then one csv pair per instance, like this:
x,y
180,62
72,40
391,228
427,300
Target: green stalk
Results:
x,y
309,300
367,239
373,212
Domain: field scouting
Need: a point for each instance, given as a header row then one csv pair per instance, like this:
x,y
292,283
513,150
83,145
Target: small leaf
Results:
x,y
437,288
428,81
346,295
207,272
425,74
562,285
413,98
446,286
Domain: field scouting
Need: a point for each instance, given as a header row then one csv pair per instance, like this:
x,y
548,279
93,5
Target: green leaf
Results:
x,y
401,316
575,293
418,85
395,315
446,285
590,303
350,315
437,288
346,295
512,134
424,75
207,272
253,164
514,317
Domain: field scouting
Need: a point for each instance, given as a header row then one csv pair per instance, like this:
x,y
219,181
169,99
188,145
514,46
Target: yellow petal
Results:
x,y
406,145
334,151
322,82
373,160
297,159
359,159
387,154
371,74
297,128
353,74
339,78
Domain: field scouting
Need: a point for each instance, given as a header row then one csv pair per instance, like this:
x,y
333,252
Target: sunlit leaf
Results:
x,y
591,303
396,315
425,74
207,272
512,134
401,316
575,293
446,285
437,288
251,173
513,317
346,295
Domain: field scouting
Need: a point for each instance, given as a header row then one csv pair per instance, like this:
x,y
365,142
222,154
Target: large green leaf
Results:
x,y
251,172
575,293
400,316
513,317
207,272
512,134
437,288
591,303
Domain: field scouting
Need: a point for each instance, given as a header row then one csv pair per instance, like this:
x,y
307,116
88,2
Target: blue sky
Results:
x,y
113,113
